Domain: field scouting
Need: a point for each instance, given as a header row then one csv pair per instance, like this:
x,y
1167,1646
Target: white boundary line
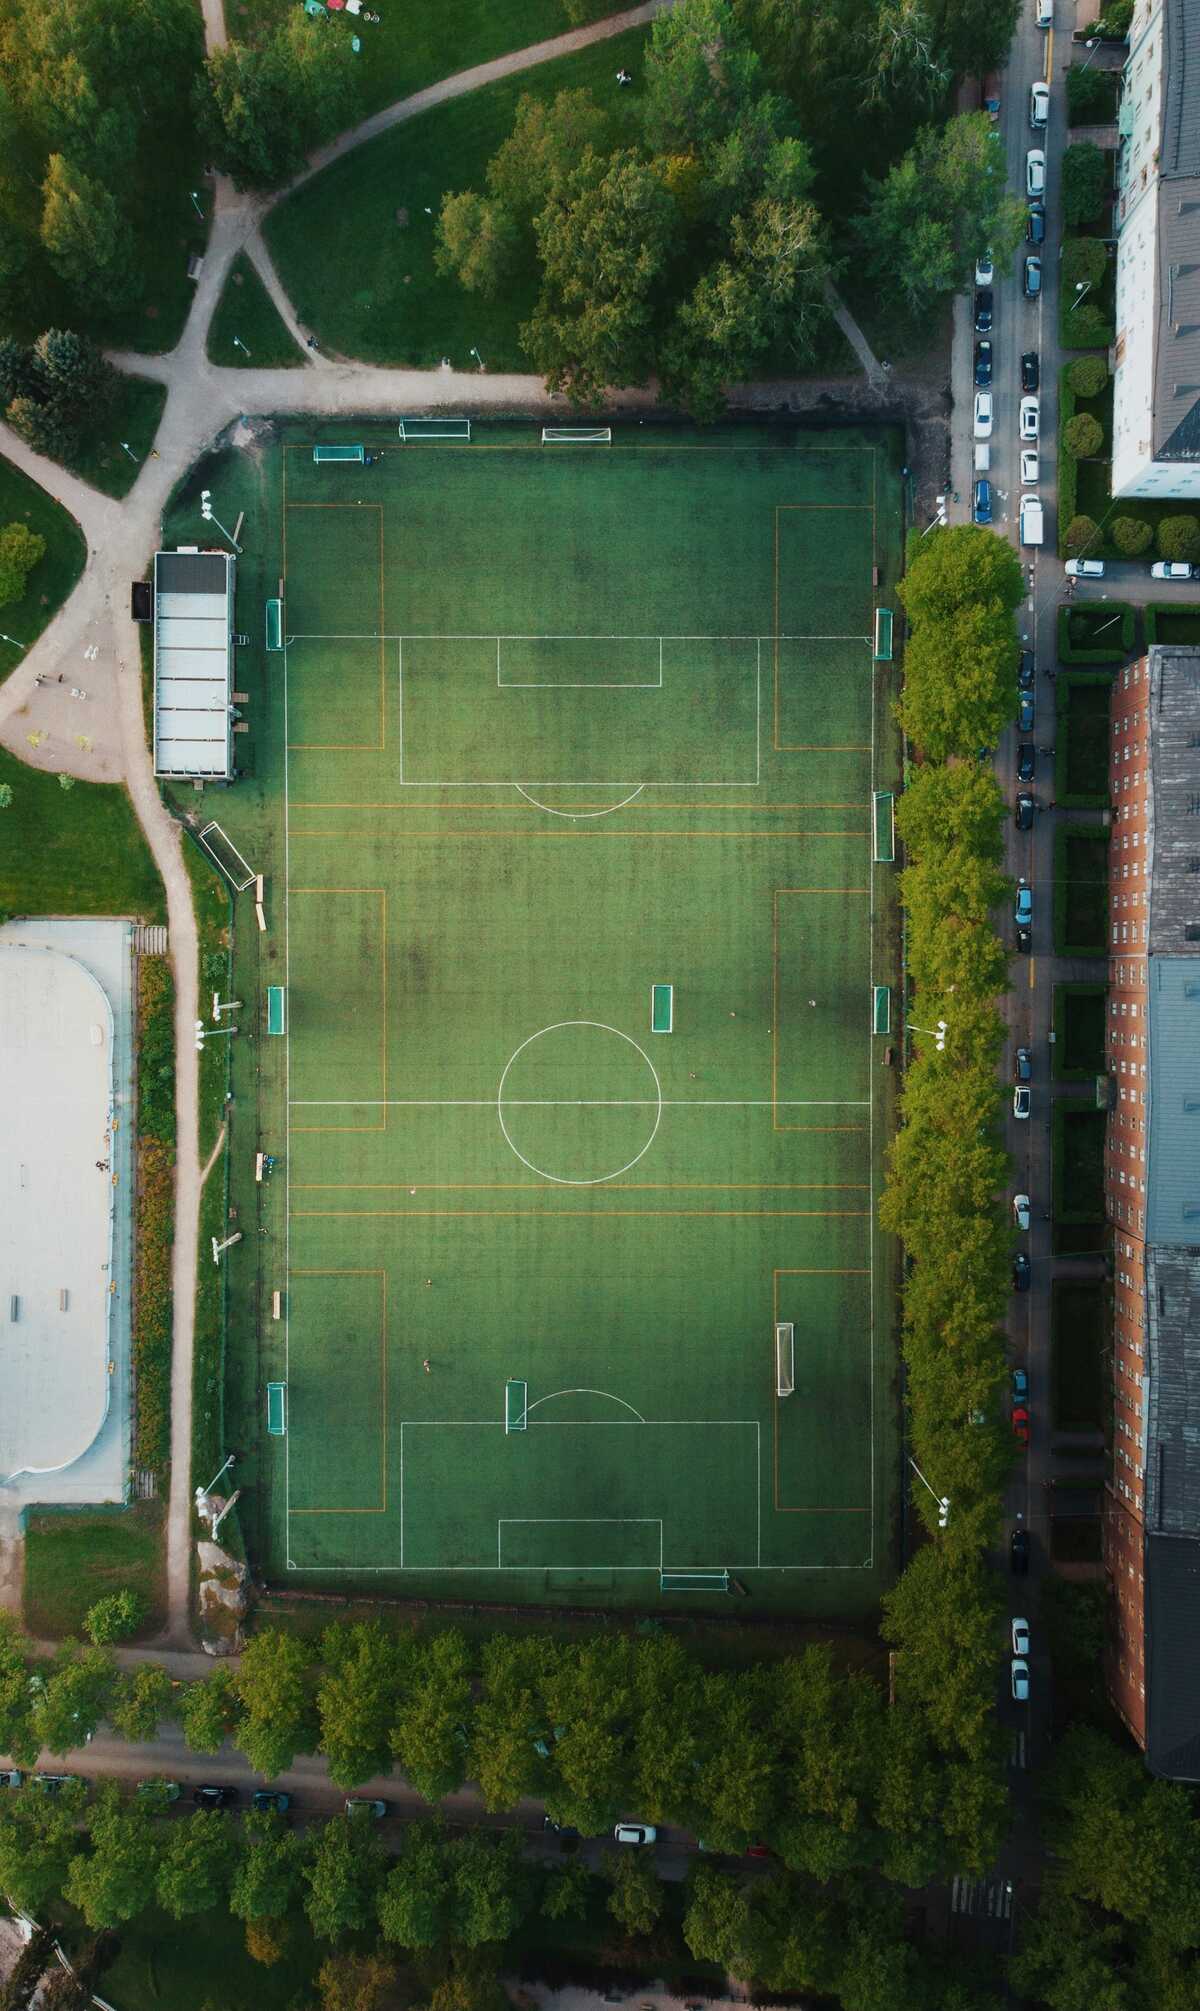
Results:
x,y
575,1103
287,1118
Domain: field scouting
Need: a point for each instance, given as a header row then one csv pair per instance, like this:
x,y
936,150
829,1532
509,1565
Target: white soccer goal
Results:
x,y
577,436
785,1358
435,429
225,855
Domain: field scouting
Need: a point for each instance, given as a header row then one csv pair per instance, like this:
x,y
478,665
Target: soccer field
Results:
x,y
562,784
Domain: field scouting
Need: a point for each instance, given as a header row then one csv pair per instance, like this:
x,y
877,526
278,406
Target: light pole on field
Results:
x,y
478,358
239,344
210,517
939,1034
943,1500
196,204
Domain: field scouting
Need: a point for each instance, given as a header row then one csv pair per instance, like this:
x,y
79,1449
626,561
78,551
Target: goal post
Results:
x,y
435,429
693,1581
226,857
577,436
785,1358
883,814
516,1405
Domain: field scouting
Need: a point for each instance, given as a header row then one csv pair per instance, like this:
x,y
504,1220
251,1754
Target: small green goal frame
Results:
x,y
662,1008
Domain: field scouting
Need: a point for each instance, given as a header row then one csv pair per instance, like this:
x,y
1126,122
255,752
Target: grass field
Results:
x,y
1079,1020
71,1560
247,311
78,851
554,726
47,587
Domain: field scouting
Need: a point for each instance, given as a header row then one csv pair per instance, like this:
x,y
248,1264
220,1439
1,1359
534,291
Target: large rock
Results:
x,y
224,1600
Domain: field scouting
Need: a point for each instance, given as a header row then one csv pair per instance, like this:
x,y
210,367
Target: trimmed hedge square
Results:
x,y
1078,1051
1081,890
1083,701
1077,1326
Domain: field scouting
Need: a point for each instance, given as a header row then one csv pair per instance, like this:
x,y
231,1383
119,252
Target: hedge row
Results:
x,y
1068,466
1115,651
1060,1067
1172,622
1075,896
1076,757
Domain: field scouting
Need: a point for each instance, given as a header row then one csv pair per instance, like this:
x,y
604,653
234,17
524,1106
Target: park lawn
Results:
x,y
246,309
429,39
1077,1345
366,284
194,1964
1079,1011
47,587
136,410
77,851
73,1559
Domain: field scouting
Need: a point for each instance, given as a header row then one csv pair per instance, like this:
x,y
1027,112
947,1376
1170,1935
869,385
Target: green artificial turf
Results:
x,y
71,1560
47,587
625,738
246,310
360,273
78,851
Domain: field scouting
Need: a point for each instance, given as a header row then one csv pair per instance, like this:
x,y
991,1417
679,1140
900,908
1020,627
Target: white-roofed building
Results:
x,y
193,664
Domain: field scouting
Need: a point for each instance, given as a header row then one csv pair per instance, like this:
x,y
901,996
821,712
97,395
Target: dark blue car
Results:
x,y
983,501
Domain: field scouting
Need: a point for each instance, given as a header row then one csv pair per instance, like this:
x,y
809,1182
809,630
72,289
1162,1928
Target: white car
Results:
x,y
1039,105
983,415
1030,415
1035,173
1020,1637
1171,569
1020,1679
1085,569
985,271
1021,1210
1029,465
1020,1101
634,1832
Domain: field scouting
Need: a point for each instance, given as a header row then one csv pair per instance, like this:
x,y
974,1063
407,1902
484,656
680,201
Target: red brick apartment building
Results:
x,y
1152,1188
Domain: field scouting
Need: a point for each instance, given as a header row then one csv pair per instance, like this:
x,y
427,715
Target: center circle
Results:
x,y
576,1096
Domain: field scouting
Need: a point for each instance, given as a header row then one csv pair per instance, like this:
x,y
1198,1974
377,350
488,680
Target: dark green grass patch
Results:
x,y
76,851
1078,1052
47,587
365,282
1078,1173
1174,623
1075,1539
1077,1323
247,310
1081,890
133,421
169,1963
1095,631
1081,749
72,1559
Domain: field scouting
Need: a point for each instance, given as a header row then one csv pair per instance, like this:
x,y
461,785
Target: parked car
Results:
x,y
983,415
634,1832
1020,1637
1171,569
1020,1680
1039,105
53,1784
212,1795
1026,708
371,1803
271,1798
1021,1272
1025,942
1025,670
1035,224
562,1829
985,271
1023,814
157,1791
1035,173
1031,370
1024,1064
1032,281
11,1777
1020,1384
1030,417
1043,13
1085,569
1021,1109
1026,760
985,307
1023,910
1029,465
1018,1552
1020,1424
1021,1211
983,361
982,509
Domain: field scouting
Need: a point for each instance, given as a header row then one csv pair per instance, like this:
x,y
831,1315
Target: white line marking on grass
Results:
x,y
581,1392
578,816
577,1102
656,1105
287,1119
400,705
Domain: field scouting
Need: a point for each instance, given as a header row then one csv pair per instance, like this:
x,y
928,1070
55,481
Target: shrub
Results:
x,y
1084,262
1130,535
1083,436
1082,532
1087,327
114,1617
1084,183
1089,95
1095,631
1179,538
1114,22
1088,376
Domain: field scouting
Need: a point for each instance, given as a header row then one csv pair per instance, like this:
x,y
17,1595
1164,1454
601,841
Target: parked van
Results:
x,y
1032,523
1044,13
983,456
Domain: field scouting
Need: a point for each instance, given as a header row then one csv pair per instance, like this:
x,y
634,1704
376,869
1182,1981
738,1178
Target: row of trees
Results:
x,y
792,1753
55,392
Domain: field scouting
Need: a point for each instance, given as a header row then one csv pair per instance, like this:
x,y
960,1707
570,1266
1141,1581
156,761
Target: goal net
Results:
x,y
516,1405
693,1581
577,436
435,429
226,857
785,1358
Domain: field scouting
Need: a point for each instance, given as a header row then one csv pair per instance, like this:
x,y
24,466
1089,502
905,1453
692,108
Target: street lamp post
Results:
x,y
943,1500
210,517
239,344
1093,45
939,1033
12,639
478,358
204,1033
1082,286
127,449
196,204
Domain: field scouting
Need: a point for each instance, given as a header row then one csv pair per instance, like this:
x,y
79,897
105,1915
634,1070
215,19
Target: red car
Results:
x,y
1020,1424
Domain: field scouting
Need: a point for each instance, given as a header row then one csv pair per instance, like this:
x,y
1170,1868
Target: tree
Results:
x,y
737,1775
1131,535
701,74
71,372
6,797
548,143
196,1864
18,376
958,685
589,1701
1090,96
476,242
1179,538
636,1899
946,808
904,56
114,1617
1070,1960
86,237
414,1905
909,1800
937,210
115,1881
267,1875
667,1702
503,1759
279,1716
1087,376
65,782
143,1695
355,1700
343,1875
492,1887
943,1620
38,1838
829,1731
974,35
264,107
267,1939
565,1893
73,1700
209,1711
964,567
1084,262
429,1735
1084,183
357,1983
1080,536
16,1734
1083,436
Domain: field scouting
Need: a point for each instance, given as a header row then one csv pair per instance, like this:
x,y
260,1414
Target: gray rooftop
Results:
x,y
1175,801
1172,1630
1172,1421
1179,146
1177,350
